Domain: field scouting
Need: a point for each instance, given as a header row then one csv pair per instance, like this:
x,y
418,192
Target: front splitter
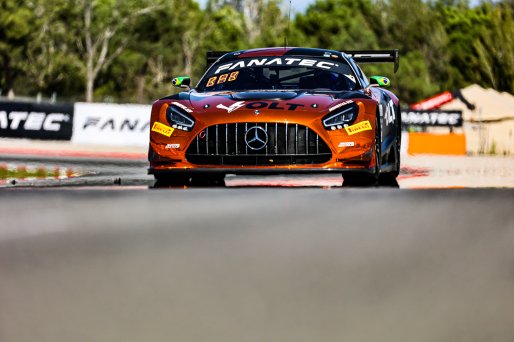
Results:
x,y
252,171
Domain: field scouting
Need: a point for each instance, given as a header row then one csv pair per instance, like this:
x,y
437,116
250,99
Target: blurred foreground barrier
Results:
x,y
47,121
432,118
431,143
111,124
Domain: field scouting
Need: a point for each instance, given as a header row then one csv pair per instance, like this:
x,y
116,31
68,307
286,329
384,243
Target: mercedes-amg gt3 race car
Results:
x,y
276,111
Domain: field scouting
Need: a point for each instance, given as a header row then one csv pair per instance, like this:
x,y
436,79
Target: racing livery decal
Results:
x,y
172,146
390,114
261,105
357,128
232,107
180,105
162,129
312,63
339,105
222,79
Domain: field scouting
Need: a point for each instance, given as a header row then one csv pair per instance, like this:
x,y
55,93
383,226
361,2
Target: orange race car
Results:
x,y
279,110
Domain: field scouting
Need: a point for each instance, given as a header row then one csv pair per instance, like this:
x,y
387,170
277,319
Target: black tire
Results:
x,y
390,177
358,179
208,180
173,180
189,180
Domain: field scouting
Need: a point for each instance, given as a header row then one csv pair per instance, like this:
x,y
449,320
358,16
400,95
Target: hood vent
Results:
x,y
264,95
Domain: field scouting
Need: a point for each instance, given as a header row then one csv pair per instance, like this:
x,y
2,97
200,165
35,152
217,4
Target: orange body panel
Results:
x,y
169,152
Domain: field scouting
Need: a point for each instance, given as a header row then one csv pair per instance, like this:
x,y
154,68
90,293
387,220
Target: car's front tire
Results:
x,y
187,179
356,178
388,178
208,180
173,180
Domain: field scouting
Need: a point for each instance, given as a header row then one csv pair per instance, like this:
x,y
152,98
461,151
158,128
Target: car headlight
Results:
x,y
342,116
179,119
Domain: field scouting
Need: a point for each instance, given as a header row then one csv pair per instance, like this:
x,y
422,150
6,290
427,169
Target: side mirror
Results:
x,y
182,82
379,81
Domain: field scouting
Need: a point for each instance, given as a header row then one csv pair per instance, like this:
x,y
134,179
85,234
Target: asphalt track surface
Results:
x,y
256,264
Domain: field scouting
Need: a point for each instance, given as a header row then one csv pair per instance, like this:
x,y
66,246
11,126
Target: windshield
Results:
x,y
279,73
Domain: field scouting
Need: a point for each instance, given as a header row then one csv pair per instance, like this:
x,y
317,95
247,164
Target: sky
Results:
x,y
301,5
296,5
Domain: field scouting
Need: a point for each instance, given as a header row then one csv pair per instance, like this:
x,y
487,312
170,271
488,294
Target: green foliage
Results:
x,y
495,48
413,80
338,25
272,25
444,44
15,38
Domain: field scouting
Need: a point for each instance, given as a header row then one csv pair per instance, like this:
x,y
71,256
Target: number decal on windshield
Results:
x,y
233,76
211,82
222,79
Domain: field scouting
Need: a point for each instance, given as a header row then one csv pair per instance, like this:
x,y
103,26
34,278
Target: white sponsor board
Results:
x,y
111,124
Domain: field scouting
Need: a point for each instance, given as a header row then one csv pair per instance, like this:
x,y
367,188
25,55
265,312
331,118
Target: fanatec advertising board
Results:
x,y
111,124
439,118
46,121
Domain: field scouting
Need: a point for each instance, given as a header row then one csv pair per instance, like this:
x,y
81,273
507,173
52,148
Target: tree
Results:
x,y
464,25
167,42
263,19
338,25
130,50
495,49
171,43
52,61
272,25
414,28
100,40
15,38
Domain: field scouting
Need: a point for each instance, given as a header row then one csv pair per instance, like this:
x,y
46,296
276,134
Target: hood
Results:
x,y
285,102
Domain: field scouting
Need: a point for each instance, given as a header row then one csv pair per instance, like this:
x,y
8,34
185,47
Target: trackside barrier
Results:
x,y
431,143
45,121
111,124
129,125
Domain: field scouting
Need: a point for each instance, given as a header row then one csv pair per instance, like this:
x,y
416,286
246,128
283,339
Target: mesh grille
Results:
x,y
286,144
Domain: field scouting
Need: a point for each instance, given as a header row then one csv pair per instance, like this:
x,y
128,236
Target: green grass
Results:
x,y
22,172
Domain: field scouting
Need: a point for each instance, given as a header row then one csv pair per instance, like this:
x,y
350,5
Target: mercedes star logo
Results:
x,y
256,138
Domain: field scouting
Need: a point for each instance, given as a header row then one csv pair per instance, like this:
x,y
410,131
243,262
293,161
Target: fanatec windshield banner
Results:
x,y
427,118
36,120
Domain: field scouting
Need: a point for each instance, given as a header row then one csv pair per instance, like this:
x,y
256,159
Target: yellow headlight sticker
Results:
x,y
360,127
162,129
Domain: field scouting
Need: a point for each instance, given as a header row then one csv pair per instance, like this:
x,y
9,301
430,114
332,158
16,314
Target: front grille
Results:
x,y
287,144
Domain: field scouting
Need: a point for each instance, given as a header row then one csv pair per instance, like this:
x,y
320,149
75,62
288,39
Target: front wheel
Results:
x,y
189,180
356,178
172,180
390,177
208,180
